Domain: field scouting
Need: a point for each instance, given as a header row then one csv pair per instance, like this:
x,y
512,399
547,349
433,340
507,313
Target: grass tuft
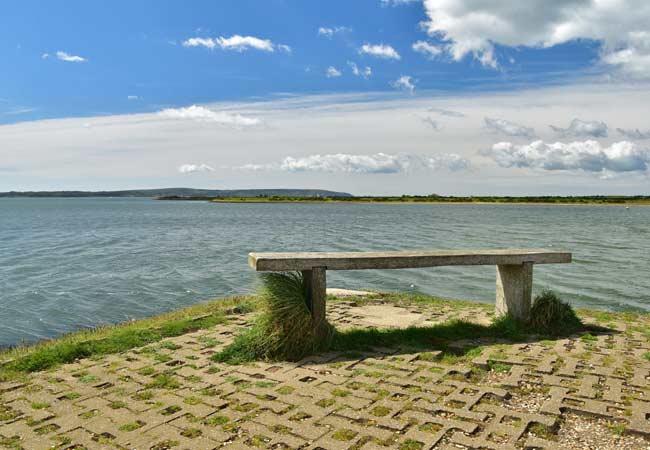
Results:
x,y
551,315
284,329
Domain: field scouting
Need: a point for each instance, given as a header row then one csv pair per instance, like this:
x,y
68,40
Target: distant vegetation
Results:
x,y
592,199
183,193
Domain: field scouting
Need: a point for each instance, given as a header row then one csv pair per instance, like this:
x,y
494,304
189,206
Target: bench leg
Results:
x,y
514,290
316,283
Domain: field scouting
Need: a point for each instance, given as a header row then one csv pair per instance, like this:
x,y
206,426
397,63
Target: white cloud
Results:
x,y
203,114
509,128
45,55
404,83
332,72
236,43
470,27
365,73
63,56
377,163
192,168
200,42
132,97
588,156
634,135
580,128
427,49
379,51
329,32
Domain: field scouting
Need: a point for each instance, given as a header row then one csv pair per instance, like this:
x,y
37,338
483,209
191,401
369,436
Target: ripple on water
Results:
x,y
72,263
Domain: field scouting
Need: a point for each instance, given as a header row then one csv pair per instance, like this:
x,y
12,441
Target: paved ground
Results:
x,y
590,392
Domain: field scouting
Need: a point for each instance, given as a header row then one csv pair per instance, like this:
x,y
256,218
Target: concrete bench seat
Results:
x,y
514,278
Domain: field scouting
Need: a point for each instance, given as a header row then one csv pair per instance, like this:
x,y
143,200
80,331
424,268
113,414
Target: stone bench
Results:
x,y
514,278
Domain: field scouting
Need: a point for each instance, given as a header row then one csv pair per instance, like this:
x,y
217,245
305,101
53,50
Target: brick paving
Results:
x,y
512,396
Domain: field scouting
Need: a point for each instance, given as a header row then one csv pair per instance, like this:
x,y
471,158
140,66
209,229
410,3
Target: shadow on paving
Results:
x,y
453,339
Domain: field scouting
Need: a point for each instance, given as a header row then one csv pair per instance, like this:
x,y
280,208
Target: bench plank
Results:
x,y
289,261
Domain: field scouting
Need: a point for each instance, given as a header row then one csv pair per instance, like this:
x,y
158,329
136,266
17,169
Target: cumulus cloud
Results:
x,y
236,43
424,47
580,128
588,156
404,83
332,72
329,32
509,128
203,114
63,56
634,135
192,168
473,28
379,51
359,72
377,163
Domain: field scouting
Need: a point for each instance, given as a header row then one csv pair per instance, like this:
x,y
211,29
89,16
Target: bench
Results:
x,y
514,278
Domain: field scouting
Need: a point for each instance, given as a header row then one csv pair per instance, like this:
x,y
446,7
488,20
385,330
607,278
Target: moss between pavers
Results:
x,y
18,362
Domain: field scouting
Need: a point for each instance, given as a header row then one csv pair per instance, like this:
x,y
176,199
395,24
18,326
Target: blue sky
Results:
x,y
135,49
370,96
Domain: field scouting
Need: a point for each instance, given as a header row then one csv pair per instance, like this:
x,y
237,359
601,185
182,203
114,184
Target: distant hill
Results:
x,y
182,192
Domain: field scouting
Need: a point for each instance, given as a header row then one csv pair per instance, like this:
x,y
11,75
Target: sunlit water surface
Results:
x,y
72,263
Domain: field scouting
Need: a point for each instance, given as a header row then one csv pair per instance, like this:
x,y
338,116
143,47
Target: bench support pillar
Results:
x,y
316,284
514,290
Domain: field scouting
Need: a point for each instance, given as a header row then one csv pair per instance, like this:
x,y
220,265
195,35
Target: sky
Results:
x,y
452,97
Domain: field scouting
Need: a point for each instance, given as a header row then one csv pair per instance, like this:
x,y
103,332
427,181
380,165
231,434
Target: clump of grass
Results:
x,y
549,314
284,329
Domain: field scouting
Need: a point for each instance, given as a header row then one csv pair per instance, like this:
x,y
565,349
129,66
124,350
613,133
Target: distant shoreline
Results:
x,y
530,201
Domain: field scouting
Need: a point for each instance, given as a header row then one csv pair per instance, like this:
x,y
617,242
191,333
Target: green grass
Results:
x,y
551,315
284,329
114,339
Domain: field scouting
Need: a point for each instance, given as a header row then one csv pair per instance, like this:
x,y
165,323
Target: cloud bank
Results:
x,y
588,156
469,27
377,163
203,114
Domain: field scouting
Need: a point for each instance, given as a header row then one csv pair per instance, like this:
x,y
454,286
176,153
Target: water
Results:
x,y
72,263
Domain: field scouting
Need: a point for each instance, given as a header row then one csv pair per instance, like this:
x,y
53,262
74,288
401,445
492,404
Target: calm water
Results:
x,y
72,263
